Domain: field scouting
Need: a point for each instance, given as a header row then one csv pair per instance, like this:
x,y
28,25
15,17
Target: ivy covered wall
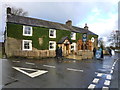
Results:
x,y
16,31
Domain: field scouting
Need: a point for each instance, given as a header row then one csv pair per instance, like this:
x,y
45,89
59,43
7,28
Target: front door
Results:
x,y
67,49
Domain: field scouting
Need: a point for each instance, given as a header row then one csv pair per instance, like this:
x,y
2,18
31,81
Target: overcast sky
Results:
x,y
101,17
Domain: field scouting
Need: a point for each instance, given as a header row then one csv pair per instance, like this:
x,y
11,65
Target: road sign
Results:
x,y
92,39
84,37
98,54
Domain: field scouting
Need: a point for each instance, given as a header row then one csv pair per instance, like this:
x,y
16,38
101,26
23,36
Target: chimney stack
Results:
x,y
8,10
69,23
86,27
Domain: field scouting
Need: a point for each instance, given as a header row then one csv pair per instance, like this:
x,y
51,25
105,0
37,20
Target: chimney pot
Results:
x,y
69,23
8,10
86,27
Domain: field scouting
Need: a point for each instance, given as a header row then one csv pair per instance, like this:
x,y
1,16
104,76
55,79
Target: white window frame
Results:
x,y
74,45
73,37
54,45
30,43
31,31
54,33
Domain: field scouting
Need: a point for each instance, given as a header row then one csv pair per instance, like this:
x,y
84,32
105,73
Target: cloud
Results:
x,y
100,16
102,23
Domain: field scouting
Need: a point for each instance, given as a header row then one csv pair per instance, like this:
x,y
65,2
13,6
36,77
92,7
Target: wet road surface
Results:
x,y
53,73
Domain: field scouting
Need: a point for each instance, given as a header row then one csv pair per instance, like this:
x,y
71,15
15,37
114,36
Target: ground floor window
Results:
x,y
73,46
52,45
27,45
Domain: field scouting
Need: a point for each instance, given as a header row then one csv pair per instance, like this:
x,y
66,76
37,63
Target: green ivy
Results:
x,y
16,31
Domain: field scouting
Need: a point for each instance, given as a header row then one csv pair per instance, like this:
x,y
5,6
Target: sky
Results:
x,y
100,16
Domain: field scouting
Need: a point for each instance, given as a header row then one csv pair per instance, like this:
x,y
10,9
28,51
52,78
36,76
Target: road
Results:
x,y
66,73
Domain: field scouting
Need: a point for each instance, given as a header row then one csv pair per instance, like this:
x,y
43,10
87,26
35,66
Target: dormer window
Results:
x,y
27,31
73,36
52,33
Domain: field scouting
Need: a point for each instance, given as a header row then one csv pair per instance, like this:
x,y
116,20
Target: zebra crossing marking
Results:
x,y
107,82
91,86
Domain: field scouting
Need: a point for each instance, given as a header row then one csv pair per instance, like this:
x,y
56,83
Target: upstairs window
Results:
x,y
73,36
52,45
27,31
27,45
52,33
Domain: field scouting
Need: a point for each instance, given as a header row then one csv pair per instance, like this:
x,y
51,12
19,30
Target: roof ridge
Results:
x,y
44,23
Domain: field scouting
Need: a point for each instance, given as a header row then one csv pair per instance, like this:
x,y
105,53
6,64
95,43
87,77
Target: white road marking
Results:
x,y
107,82
95,80
16,61
105,88
106,66
32,75
111,71
108,77
49,66
112,67
91,86
30,63
74,70
114,63
99,74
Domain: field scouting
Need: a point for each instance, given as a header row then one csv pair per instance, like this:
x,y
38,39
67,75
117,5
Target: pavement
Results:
x,y
66,73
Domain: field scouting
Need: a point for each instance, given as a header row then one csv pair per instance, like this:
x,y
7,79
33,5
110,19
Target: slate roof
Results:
x,y
43,23
63,39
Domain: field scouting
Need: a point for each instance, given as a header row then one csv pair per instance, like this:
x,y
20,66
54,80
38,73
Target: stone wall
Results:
x,y
13,47
35,54
85,54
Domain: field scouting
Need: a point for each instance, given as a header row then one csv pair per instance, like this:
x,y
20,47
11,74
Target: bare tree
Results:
x,y
18,11
114,39
101,43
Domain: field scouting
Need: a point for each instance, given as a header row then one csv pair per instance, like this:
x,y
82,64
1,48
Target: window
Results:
x,y
73,46
52,45
73,36
27,45
52,33
27,31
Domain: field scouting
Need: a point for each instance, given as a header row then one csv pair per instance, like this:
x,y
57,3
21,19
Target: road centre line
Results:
x,y
16,61
30,63
49,66
74,70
